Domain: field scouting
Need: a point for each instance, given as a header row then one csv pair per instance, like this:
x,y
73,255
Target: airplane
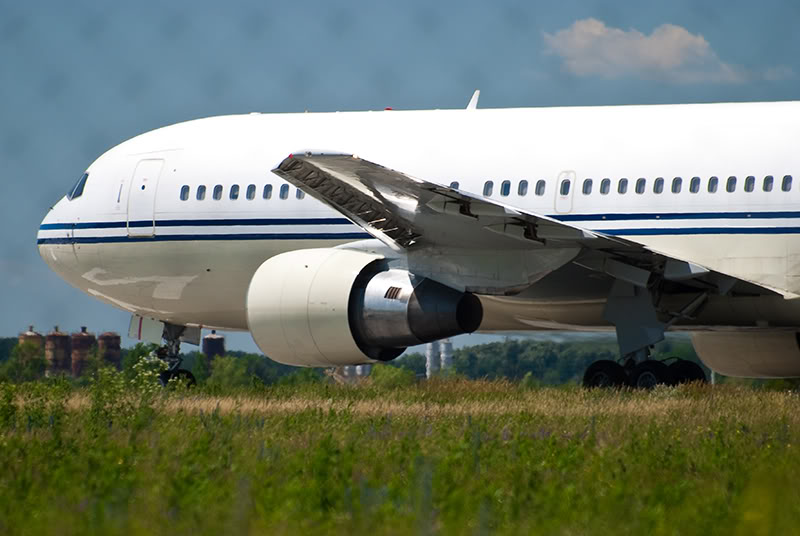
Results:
x,y
343,238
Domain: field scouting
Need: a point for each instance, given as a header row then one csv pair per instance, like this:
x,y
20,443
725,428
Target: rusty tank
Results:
x,y
213,345
82,344
57,350
31,336
109,348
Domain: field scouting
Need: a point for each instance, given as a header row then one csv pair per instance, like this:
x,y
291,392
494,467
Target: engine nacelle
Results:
x,y
333,307
750,354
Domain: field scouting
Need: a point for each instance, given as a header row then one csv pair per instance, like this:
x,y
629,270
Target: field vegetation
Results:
x,y
116,454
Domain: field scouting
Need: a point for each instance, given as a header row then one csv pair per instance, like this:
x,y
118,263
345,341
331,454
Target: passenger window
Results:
x,y
522,189
565,184
201,192
605,186
730,186
184,193
622,187
300,194
454,185
505,188
713,183
77,190
694,185
641,184
540,186
677,184
267,191
658,185
235,192
786,185
217,192
749,184
587,187
284,191
768,181
488,186
251,192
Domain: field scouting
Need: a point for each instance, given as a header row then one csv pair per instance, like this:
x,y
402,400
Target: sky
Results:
x,y
79,77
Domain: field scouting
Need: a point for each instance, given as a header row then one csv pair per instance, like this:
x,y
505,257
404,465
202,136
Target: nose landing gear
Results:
x,y
170,354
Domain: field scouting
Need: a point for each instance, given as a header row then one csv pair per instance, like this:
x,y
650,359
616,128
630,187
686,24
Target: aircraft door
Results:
x,y
142,197
565,187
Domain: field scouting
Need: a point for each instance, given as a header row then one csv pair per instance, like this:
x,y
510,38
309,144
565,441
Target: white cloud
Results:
x,y
670,53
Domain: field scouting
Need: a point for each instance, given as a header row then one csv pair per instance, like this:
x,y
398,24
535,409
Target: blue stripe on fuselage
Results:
x,y
202,237
195,223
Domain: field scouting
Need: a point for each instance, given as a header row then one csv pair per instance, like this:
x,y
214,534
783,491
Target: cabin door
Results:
x,y
142,198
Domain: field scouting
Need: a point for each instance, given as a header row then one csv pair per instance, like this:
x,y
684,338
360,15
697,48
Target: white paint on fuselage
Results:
x,y
632,142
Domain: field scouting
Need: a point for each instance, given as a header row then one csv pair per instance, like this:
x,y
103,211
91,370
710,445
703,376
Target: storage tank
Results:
x,y
82,343
447,353
432,361
109,348
57,348
31,336
213,345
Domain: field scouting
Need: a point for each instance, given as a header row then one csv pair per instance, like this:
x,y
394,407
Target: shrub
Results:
x,y
387,376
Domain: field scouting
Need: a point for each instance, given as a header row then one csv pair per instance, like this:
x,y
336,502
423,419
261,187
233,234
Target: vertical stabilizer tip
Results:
x,y
473,102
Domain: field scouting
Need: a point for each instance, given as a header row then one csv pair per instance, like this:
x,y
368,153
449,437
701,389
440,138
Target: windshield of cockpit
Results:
x,y
77,190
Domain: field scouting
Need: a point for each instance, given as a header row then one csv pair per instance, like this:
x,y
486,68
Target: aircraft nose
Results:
x,y
52,230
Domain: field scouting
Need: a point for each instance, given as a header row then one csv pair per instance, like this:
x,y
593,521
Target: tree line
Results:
x,y
534,362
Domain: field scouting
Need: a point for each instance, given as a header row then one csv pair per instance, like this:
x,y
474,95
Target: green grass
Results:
x,y
442,457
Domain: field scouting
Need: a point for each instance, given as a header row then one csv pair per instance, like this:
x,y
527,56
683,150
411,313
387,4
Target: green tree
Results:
x,y
301,376
391,377
414,362
228,372
134,355
7,345
27,363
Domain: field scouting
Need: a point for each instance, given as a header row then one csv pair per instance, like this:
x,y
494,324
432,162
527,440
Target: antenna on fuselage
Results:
x,y
473,102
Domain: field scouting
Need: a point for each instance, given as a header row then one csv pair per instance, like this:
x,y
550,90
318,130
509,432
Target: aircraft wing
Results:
x,y
405,212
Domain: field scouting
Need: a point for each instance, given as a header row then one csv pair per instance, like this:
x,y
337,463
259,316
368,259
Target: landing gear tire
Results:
x,y
183,376
648,374
684,371
605,373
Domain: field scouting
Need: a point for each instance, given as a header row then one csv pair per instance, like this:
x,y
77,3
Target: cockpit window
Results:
x,y
77,190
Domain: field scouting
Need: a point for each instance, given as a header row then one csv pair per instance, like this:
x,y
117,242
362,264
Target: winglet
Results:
x,y
473,102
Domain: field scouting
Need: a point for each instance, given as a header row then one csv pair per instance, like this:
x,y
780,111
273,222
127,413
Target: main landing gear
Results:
x,y
631,308
170,353
644,375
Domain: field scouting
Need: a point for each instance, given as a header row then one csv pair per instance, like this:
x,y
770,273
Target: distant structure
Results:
x,y
446,355
82,343
31,336
438,357
213,344
432,359
57,350
109,349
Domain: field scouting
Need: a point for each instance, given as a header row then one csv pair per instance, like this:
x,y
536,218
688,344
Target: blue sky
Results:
x,y
79,77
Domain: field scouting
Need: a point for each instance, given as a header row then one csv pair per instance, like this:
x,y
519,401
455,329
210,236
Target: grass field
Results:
x,y
443,457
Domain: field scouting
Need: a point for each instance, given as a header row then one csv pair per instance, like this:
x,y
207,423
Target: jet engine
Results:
x,y
333,307
743,354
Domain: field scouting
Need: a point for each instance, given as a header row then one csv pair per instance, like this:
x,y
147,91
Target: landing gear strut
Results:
x,y
170,353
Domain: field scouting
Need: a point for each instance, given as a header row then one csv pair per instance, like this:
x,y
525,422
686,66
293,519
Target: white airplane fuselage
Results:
x,y
137,240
